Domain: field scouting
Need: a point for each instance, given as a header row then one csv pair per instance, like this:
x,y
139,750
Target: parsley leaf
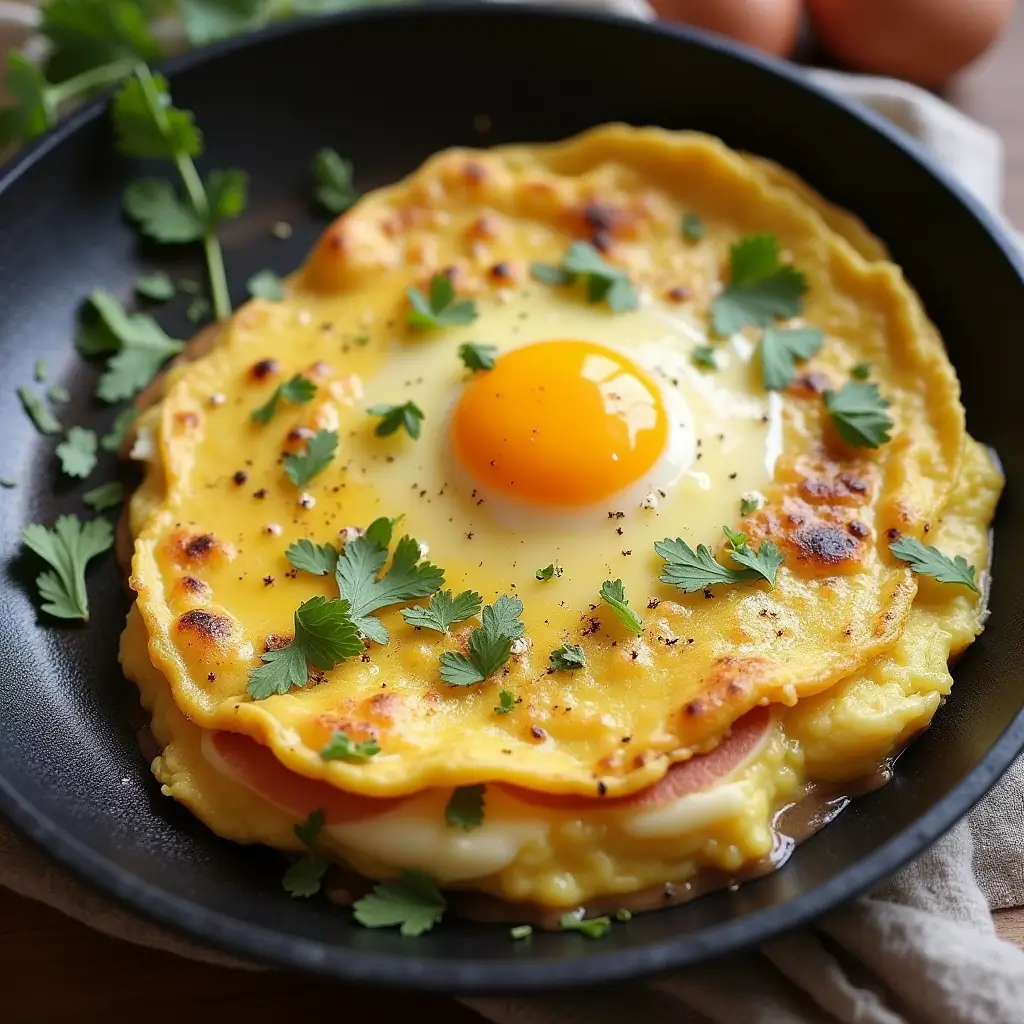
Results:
x,y
406,579
105,496
548,572
140,345
749,505
303,878
693,227
930,561
860,371
440,309
266,285
334,189
704,356
410,416
858,414
475,356
44,420
603,282
443,610
141,130
119,430
342,748
208,20
567,657
780,348
760,288
77,452
412,900
67,548
325,635
691,570
613,593
160,214
306,556
765,561
301,467
465,807
508,702
490,645
298,391
157,286
591,927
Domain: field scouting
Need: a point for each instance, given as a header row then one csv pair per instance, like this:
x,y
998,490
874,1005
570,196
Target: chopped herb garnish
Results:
x,y
407,578
760,288
749,505
693,227
410,416
266,285
508,702
198,309
301,467
122,422
475,356
780,349
548,572
765,561
105,496
860,371
157,286
39,372
521,931
77,452
858,414
691,570
334,190
704,356
7,483
44,420
298,391
303,878
613,593
603,282
58,395
465,807
591,927
622,914
930,561
439,309
67,548
343,748
412,901
444,610
318,559
490,645
568,657
325,635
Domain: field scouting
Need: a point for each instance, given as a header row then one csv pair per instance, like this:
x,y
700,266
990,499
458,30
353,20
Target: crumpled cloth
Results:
x,y
920,950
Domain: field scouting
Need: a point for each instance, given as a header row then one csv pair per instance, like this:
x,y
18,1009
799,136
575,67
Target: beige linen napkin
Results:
x,y
922,950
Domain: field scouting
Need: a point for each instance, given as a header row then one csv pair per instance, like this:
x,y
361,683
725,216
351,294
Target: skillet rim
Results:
x,y
464,975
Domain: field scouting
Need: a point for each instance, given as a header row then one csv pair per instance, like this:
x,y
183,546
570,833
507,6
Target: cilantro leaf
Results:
x,y
333,175
443,610
858,414
465,807
266,285
508,702
704,356
410,416
691,570
77,452
325,635
306,556
692,227
407,578
303,878
412,900
613,593
298,391
160,214
490,645
591,927
930,561
301,467
112,441
548,572
780,348
43,420
860,371
67,548
602,281
567,657
475,356
342,748
765,561
157,286
208,20
440,309
153,131
760,288
105,496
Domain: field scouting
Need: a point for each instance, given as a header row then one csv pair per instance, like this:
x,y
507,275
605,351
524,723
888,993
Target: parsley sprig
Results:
x,y
613,593
476,356
691,570
444,610
781,348
858,413
490,645
602,281
301,467
412,901
439,307
342,747
930,561
304,877
465,807
299,390
408,415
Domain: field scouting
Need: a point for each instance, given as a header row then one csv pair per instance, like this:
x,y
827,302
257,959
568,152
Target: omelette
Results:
x,y
585,523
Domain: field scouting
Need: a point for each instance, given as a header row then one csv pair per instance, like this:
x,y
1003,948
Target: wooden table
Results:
x,y
54,969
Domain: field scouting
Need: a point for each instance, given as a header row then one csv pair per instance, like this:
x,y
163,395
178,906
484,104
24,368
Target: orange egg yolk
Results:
x,y
559,423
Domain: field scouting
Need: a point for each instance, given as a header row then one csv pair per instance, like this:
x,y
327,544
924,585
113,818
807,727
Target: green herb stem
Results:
x,y
94,78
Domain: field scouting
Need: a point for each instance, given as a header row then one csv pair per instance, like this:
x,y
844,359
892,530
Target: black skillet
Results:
x,y
387,88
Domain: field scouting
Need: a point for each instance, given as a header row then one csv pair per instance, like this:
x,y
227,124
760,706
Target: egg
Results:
x,y
924,41
768,25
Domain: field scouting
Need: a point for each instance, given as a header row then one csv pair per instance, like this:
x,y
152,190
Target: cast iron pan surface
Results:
x,y
387,88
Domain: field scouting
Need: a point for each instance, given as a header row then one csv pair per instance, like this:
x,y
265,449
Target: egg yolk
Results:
x,y
559,423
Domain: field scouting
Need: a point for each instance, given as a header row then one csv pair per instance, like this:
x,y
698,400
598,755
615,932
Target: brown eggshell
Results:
x,y
768,25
